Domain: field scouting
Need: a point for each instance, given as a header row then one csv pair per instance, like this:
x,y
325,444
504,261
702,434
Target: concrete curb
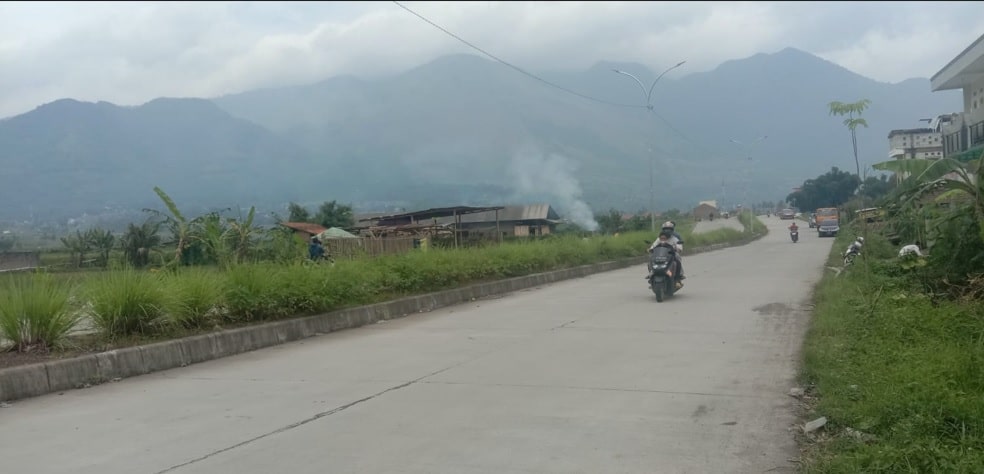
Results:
x,y
79,372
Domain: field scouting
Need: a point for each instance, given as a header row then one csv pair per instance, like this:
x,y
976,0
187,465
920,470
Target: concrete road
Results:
x,y
589,375
707,226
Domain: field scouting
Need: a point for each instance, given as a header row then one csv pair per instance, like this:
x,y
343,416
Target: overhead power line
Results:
x,y
669,125
517,68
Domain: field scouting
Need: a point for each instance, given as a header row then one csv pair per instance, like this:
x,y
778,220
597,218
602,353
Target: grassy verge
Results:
x,y
900,377
752,224
127,307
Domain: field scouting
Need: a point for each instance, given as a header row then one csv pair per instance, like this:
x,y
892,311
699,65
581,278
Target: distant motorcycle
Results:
x,y
795,235
663,274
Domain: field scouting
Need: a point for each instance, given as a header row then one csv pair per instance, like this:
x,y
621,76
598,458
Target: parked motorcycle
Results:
x,y
853,251
663,275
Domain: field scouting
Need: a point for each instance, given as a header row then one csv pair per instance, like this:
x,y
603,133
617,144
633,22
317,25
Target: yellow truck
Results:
x,y
828,223
871,214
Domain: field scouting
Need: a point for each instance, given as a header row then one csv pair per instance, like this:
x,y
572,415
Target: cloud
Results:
x,y
131,52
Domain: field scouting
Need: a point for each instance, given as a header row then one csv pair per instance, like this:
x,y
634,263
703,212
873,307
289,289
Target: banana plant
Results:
x,y
944,179
213,236
243,234
181,228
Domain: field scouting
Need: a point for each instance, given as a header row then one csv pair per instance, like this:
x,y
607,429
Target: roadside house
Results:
x,y
516,221
705,210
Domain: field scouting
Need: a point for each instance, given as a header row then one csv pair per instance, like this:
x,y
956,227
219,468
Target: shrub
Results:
x,y
193,295
248,292
127,302
35,312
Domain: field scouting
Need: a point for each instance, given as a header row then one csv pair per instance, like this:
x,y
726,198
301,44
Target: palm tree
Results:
x,y
139,241
101,241
78,245
852,122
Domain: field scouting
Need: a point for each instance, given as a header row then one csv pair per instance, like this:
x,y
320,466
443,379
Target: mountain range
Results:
x,y
463,130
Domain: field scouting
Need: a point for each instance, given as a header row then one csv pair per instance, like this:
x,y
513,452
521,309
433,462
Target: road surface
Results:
x,y
588,375
707,226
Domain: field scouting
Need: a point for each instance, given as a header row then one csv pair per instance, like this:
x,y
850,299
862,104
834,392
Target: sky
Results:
x,y
129,53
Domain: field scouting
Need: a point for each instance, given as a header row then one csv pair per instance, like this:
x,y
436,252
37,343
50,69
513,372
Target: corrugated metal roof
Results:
x,y
534,212
370,216
304,227
437,212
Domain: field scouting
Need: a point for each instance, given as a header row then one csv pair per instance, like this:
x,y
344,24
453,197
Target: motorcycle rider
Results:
x,y
793,227
676,241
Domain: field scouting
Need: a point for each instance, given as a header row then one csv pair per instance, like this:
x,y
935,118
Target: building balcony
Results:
x,y
963,138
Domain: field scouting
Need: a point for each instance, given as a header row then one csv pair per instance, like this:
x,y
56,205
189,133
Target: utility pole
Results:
x,y
751,222
649,107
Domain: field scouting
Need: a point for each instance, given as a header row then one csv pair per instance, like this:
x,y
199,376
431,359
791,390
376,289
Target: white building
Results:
x,y
966,71
915,143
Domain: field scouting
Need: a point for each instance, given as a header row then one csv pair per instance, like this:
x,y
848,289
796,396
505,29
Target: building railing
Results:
x,y
953,143
976,134
968,137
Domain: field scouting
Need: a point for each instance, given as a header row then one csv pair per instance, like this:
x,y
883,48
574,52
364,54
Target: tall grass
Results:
x,y
125,302
752,223
193,297
35,313
716,236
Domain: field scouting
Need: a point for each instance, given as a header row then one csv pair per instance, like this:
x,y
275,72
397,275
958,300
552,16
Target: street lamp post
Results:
x,y
751,225
649,107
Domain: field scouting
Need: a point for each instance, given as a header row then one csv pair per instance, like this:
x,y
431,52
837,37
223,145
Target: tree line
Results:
x,y
170,238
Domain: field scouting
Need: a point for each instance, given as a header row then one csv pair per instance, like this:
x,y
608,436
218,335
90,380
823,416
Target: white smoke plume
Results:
x,y
535,174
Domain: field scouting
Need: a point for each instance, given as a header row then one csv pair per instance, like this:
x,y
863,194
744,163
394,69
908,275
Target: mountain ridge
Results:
x,y
463,128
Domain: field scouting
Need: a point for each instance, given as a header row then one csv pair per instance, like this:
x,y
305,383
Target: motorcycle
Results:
x,y
663,278
851,253
795,235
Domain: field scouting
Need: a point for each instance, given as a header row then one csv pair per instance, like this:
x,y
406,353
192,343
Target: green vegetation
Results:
x,y
330,214
34,312
751,224
217,272
895,354
897,371
128,302
830,189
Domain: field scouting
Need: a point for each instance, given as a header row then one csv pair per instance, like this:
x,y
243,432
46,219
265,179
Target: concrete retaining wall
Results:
x,y
79,372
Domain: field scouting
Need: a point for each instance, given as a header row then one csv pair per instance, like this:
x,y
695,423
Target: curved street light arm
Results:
x,y
637,82
649,96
